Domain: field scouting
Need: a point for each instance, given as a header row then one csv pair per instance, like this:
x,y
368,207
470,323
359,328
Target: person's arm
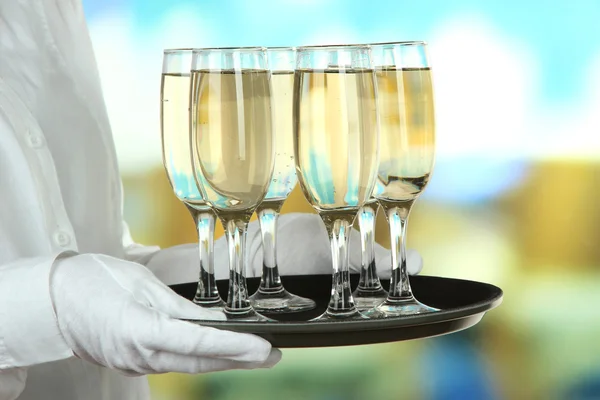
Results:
x,y
56,303
29,333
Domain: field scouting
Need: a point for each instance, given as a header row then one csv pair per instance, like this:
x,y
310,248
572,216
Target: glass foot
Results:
x,y
336,316
217,303
280,302
246,316
399,308
366,299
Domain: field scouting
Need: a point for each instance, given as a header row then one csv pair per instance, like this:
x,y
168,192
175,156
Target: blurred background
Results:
x,y
511,202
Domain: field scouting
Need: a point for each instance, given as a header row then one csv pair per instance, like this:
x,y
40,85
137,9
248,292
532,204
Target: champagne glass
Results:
x,y
369,293
175,129
233,150
336,149
271,296
407,134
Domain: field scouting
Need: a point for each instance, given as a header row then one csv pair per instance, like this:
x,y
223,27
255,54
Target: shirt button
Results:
x,y
62,238
36,141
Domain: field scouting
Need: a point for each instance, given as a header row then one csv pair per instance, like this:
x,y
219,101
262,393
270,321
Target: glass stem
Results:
x,y
341,302
270,281
369,280
397,216
207,292
237,299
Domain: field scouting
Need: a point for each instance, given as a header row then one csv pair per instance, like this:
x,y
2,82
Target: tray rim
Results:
x,y
293,327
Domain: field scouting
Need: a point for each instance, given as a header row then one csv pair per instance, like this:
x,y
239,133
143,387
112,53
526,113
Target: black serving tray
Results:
x,y
462,304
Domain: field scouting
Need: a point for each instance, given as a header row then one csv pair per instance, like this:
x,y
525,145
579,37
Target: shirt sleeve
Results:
x,y
29,332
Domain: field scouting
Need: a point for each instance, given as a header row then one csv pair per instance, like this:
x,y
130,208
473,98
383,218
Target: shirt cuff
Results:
x,y
29,332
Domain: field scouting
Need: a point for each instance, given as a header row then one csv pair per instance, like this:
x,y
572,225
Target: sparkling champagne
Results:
x,y
284,171
175,125
407,132
233,138
336,141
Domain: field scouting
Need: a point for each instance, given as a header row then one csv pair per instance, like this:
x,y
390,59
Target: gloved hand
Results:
x,y
118,314
302,249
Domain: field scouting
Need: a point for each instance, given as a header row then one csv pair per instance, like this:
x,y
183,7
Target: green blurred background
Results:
x,y
511,201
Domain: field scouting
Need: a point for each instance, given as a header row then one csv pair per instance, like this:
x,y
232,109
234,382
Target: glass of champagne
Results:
x,y
407,134
336,149
233,150
271,296
175,132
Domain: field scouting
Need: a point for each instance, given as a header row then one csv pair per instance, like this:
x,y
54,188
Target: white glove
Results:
x,y
118,314
302,249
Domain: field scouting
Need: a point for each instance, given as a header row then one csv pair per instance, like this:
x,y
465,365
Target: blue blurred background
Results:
x,y
511,201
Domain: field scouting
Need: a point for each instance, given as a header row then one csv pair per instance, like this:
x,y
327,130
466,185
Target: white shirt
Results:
x,y
60,191
52,116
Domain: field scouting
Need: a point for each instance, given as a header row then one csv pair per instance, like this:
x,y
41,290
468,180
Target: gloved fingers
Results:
x,y
161,333
303,248
165,300
177,264
253,251
162,362
355,250
221,258
414,262
302,245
